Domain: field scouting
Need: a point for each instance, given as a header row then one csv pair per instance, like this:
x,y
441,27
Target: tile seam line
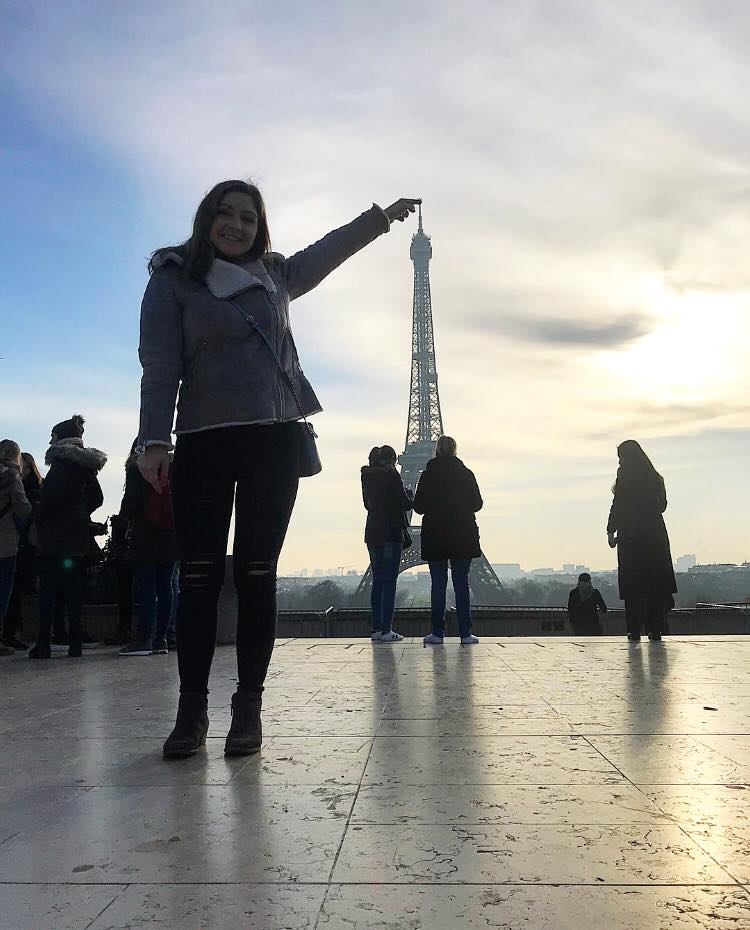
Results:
x,y
107,906
123,886
609,761
356,795
696,842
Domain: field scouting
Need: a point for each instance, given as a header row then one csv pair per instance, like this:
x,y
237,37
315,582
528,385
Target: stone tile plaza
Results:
x,y
524,783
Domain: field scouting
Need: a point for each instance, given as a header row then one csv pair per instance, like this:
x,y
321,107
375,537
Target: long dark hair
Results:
x,y
197,252
30,463
636,469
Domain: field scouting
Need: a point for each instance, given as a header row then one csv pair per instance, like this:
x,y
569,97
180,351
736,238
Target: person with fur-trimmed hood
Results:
x,y
69,495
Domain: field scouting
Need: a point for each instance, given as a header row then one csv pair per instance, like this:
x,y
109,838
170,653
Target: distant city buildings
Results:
x,y
685,562
508,571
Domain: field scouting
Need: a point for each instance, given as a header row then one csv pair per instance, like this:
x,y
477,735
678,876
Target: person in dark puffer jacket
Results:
x,y
387,501
69,495
448,496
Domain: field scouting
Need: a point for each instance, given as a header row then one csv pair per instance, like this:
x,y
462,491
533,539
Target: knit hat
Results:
x,y
69,429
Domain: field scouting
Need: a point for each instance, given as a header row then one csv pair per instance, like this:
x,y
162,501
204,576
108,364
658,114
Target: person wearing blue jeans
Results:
x,y
387,502
448,497
152,550
153,589
385,561
460,578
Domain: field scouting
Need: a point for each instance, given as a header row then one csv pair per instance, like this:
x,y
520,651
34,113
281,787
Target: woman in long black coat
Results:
x,y
636,526
448,496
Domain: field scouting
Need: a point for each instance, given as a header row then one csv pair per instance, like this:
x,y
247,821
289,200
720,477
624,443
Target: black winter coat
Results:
x,y
448,496
643,555
386,500
69,495
584,615
146,543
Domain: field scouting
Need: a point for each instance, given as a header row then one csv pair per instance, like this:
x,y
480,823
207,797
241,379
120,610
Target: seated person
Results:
x,y
585,603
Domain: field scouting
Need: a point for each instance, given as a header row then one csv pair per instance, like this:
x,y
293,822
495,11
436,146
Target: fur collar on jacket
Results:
x,y
227,279
74,451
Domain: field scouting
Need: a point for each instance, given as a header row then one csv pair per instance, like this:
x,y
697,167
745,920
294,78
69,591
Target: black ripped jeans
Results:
x,y
256,469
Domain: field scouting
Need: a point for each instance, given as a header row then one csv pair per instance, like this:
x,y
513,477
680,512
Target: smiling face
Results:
x,y
235,226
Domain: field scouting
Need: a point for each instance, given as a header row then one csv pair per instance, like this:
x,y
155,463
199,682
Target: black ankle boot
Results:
x,y
190,728
41,650
245,734
75,650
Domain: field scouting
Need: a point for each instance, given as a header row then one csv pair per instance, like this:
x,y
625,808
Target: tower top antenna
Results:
x,y
419,207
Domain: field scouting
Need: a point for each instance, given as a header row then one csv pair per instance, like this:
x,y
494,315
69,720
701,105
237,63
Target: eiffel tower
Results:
x,y
425,425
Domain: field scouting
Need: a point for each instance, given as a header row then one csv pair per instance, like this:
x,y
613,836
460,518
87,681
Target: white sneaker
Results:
x,y
376,636
391,637
470,640
432,640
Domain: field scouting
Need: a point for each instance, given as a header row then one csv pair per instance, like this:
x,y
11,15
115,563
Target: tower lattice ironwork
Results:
x,y
425,423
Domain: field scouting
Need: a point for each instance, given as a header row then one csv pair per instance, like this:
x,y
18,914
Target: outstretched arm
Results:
x,y
306,269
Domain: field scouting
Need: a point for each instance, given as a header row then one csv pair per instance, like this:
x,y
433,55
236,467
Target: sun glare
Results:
x,y
694,351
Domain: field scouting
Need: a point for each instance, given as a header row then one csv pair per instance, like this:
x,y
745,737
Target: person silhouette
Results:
x,y
636,528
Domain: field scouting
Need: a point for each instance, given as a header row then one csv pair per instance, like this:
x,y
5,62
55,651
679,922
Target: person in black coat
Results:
x,y
151,548
636,527
387,501
69,495
448,496
23,582
585,602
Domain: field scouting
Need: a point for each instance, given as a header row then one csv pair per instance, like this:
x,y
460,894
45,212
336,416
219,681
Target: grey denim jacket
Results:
x,y
194,338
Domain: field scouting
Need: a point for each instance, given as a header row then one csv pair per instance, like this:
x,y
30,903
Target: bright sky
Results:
x,y
586,183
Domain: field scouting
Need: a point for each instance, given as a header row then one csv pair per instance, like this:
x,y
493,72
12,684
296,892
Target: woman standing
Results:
x,y
636,527
152,552
70,494
215,324
23,582
386,501
14,508
448,496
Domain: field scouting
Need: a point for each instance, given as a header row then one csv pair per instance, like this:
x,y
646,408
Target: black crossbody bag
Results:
x,y
307,451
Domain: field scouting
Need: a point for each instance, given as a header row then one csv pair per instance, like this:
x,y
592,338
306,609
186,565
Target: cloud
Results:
x,y
562,332
578,163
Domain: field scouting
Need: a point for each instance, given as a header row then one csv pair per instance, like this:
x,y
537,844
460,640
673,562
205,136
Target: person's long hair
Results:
x,y
10,452
33,470
198,252
636,471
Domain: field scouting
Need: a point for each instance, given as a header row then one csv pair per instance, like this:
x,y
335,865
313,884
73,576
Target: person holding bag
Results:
x,y
152,552
387,502
215,325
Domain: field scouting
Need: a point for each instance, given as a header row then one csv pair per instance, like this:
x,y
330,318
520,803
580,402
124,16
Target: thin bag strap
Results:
x,y
287,378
